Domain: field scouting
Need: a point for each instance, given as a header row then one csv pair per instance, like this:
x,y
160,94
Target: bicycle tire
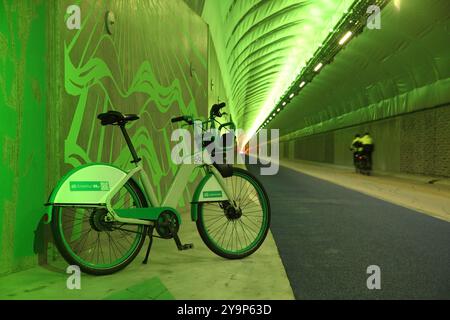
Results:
x,y
213,244
69,255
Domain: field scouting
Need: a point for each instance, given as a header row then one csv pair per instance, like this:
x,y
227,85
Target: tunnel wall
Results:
x,y
392,82
23,169
54,81
196,5
217,91
401,68
415,143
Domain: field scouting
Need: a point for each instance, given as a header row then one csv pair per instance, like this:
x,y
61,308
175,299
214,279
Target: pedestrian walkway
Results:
x,y
429,195
193,274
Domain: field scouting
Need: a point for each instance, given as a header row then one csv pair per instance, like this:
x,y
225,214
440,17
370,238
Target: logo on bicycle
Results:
x,y
89,186
212,194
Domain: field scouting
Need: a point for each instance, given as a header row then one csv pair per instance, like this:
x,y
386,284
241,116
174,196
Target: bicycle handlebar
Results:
x,y
178,119
215,112
186,119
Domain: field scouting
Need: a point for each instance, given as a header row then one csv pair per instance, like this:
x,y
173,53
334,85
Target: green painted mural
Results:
x,y
100,80
55,80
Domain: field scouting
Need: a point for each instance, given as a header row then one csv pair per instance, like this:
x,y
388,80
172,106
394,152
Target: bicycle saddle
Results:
x,y
116,117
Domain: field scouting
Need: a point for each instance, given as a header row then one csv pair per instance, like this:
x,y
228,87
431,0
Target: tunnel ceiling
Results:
x,y
401,68
263,45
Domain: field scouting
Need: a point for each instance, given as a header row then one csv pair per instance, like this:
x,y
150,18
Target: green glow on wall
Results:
x,y
55,81
90,71
263,46
404,67
22,137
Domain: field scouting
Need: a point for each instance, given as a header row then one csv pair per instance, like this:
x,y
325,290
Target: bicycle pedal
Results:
x,y
187,246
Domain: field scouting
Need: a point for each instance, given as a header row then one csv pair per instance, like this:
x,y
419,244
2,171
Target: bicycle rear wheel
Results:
x,y
236,234
85,239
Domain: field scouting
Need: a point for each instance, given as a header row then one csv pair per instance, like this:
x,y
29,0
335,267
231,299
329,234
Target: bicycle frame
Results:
x,y
89,185
64,196
174,193
100,197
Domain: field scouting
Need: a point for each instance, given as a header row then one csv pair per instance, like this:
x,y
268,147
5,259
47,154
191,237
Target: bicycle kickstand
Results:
x,y
150,236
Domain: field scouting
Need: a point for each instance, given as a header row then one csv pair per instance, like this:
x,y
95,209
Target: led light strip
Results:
x,y
352,22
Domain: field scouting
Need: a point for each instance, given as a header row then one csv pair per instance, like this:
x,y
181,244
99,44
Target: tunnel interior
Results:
x,y
311,73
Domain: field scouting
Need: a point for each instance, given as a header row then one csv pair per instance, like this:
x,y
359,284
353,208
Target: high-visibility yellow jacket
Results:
x,y
366,140
354,146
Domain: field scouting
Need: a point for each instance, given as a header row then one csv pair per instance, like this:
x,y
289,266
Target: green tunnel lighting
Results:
x,y
345,37
336,36
318,67
266,42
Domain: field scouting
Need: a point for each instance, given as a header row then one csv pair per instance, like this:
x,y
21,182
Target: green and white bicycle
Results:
x,y
100,215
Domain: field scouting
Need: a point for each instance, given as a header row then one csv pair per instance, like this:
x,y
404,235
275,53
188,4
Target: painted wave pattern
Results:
x,y
82,76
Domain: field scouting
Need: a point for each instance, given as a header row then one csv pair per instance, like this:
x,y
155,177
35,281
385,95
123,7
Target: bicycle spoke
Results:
x,y
217,229
248,227
228,244
251,220
236,232
215,220
224,233
245,233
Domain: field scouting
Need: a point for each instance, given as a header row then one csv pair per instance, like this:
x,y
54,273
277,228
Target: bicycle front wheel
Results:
x,y
231,233
84,238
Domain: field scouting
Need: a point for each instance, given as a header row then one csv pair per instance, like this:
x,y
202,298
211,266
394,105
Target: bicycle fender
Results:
x,y
208,190
89,184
